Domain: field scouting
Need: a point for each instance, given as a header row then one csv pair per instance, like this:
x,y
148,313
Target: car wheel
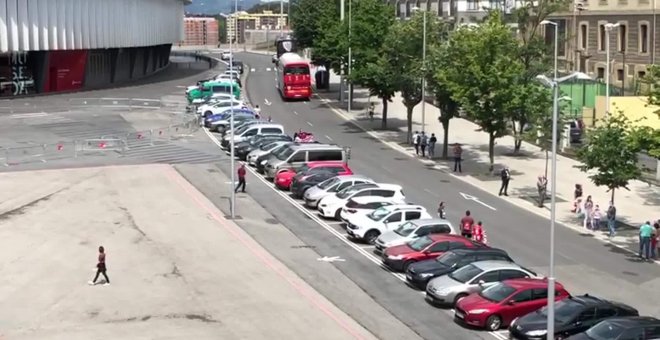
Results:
x,y
407,264
371,236
207,113
338,214
493,323
459,297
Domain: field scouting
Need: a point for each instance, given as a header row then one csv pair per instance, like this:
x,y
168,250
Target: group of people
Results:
x,y
649,240
421,142
592,214
469,229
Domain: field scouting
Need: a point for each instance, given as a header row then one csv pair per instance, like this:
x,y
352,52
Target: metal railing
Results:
x,y
43,105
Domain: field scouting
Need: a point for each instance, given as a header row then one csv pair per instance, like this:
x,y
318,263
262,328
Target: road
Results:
x,y
583,265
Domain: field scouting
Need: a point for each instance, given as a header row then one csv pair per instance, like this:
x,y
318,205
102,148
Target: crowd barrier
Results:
x,y
43,105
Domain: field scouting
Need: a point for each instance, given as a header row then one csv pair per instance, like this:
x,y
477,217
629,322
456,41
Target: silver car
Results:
x,y
412,230
448,289
264,149
331,186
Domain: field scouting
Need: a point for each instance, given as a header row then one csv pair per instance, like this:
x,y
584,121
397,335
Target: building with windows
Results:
x,y
200,31
240,22
460,11
632,42
67,45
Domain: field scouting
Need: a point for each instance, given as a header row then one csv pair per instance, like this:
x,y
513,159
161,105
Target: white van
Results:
x,y
252,130
299,154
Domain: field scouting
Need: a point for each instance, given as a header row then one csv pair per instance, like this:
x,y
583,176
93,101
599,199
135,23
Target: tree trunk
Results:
x,y
612,200
491,150
547,157
445,138
384,121
409,113
517,142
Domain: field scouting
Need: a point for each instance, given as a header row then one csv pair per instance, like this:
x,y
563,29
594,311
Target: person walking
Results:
x,y
611,219
577,193
588,209
458,153
655,251
257,112
479,234
423,143
432,142
415,141
100,268
441,210
596,215
466,225
241,178
505,174
645,234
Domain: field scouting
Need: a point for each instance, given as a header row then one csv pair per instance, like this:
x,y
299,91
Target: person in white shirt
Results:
x,y
257,110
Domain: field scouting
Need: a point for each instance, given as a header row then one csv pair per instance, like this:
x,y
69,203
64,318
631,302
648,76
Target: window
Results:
x,y
472,5
601,37
584,36
488,277
600,71
252,132
324,155
587,315
619,74
441,229
641,74
344,185
271,131
413,215
623,38
523,296
363,193
643,38
298,157
440,247
394,218
382,193
456,245
423,231
539,293
605,312
511,274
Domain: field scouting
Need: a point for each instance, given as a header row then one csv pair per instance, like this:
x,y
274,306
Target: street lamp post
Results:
x,y
232,161
282,18
350,56
608,29
423,68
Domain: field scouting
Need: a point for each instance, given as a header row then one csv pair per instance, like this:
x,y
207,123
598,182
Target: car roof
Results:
x,y
446,237
307,146
315,164
429,221
469,251
272,125
345,178
389,186
397,207
532,282
634,321
492,265
368,199
590,300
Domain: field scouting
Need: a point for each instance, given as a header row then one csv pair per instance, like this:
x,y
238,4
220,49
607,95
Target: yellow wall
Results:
x,y
633,107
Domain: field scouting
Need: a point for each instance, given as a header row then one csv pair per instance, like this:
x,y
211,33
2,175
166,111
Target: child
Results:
x,y
595,218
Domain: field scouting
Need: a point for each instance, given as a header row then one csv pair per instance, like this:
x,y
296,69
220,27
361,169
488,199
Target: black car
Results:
x,y
238,65
242,150
419,274
572,315
300,184
623,328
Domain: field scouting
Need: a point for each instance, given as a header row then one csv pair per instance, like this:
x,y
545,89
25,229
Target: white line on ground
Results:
x,y
310,124
333,222
328,137
431,192
295,113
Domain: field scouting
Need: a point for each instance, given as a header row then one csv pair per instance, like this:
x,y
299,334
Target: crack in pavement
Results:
x,y
205,318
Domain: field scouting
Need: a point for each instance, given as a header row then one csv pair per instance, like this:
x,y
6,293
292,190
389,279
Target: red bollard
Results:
x,y
140,136
60,147
102,145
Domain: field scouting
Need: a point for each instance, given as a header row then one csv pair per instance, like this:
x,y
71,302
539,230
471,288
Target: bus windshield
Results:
x,y
296,70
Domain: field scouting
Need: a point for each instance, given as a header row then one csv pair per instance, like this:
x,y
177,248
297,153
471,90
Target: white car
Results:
x,y
214,98
330,206
368,227
264,149
219,107
225,55
233,73
412,230
330,187
365,205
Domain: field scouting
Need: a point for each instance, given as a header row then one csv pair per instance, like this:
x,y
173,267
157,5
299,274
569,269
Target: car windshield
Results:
x,y
448,259
565,310
268,146
284,154
605,331
498,292
378,214
328,183
349,191
241,130
466,273
420,243
405,229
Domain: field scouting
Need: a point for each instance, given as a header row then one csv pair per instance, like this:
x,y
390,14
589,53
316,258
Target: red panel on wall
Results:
x,y
65,70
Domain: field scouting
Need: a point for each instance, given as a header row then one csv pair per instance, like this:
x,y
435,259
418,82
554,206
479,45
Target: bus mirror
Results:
x,y
348,152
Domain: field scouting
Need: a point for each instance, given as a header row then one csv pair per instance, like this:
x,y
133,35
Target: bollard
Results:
x,y
151,137
6,157
75,149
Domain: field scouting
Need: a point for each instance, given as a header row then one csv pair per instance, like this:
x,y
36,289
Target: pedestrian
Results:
x,y
611,219
101,268
645,234
505,174
479,234
257,112
466,225
441,210
458,152
577,193
655,252
432,142
541,187
241,178
415,141
596,215
587,210
423,143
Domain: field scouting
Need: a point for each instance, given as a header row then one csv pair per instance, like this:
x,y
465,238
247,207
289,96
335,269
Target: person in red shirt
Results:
x,y
241,178
466,225
479,234
100,268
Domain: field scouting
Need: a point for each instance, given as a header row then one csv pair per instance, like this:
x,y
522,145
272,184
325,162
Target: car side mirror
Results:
x,y
510,302
578,323
481,282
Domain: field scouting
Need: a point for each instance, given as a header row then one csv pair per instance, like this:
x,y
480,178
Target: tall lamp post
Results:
x,y
232,161
423,68
350,55
608,29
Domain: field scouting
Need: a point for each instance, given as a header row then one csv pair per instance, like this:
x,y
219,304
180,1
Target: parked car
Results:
x,y
225,55
573,315
420,273
284,177
623,328
238,65
330,206
496,306
413,230
264,150
256,142
368,227
230,77
298,154
252,130
331,187
475,277
365,205
221,121
238,125
424,248
219,106
300,185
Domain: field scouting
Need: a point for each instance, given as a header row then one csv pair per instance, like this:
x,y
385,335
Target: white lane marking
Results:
x,y
334,222
310,124
267,102
431,192
28,115
267,69
476,199
328,137
253,70
295,113
330,259
181,86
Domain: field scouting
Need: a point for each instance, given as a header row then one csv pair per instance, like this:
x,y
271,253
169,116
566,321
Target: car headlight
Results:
x,y
478,311
425,275
540,332
395,257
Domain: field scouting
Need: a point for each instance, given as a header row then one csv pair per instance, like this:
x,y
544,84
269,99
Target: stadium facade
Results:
x,y
66,45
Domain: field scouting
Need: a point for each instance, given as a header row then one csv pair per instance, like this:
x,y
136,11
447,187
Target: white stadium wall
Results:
x,y
67,45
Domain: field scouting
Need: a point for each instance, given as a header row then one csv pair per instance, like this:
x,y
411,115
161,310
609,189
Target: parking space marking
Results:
x,y
295,113
310,124
328,137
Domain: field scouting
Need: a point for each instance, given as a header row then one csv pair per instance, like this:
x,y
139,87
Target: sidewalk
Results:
x,y
634,207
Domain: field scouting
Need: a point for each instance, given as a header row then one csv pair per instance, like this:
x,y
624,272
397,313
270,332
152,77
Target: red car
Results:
x,y
497,306
284,178
424,248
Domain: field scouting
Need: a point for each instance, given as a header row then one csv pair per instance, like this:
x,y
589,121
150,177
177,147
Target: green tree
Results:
x,y
541,129
653,80
486,84
610,153
647,139
308,18
381,79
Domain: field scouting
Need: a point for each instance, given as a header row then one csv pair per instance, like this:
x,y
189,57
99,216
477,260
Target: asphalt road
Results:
x,y
583,265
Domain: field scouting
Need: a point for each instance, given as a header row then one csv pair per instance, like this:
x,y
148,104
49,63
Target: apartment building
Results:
x,y
239,22
460,11
200,31
632,40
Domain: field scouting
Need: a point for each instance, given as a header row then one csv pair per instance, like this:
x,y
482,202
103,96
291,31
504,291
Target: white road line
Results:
x,y
310,124
295,113
28,115
328,137
431,192
252,70
333,222
267,69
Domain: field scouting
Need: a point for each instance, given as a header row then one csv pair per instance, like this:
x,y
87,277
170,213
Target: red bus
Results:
x,y
293,78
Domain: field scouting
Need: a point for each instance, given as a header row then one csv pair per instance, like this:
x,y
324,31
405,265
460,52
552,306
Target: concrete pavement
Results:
x,y
178,268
